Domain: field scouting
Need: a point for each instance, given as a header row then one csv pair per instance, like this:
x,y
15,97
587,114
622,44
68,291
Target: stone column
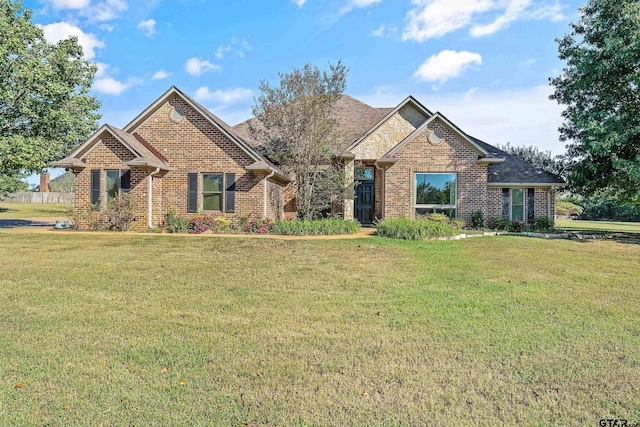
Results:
x,y
348,206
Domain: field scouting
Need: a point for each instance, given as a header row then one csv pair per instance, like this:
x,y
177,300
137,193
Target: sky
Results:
x,y
484,64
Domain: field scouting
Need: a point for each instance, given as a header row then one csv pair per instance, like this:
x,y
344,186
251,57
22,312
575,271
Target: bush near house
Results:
x,y
323,227
196,224
540,224
417,229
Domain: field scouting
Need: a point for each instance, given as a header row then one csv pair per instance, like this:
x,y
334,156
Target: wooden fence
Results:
x,y
35,197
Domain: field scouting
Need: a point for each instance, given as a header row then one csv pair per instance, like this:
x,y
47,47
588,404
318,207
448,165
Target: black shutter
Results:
x,y
125,180
531,213
192,192
230,195
95,188
505,204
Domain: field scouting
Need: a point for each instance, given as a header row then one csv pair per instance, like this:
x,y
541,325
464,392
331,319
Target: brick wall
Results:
x,y
453,154
195,145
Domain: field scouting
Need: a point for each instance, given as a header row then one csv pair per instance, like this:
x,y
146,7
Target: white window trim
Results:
x,y
511,204
202,192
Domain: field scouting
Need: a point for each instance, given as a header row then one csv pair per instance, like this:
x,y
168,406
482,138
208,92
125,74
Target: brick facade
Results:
x,y
453,155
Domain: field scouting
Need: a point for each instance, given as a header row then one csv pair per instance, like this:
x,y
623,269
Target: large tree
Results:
x,y
298,128
600,87
45,106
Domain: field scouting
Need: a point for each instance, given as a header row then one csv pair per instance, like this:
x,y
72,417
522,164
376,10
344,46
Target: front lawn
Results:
x,y
31,210
171,330
609,226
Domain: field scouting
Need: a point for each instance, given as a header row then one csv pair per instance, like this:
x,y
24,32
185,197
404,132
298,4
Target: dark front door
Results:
x,y
365,202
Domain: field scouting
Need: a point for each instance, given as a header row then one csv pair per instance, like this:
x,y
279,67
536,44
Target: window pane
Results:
x,y
211,182
364,173
517,213
212,202
112,185
517,196
436,189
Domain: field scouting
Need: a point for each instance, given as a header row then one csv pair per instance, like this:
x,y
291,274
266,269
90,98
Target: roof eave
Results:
x,y
69,163
485,161
526,184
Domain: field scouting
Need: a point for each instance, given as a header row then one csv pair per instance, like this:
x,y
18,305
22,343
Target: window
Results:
x,y
212,191
517,204
365,173
113,178
436,192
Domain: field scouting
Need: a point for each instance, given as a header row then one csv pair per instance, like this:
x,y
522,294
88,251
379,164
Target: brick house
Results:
x,y
405,161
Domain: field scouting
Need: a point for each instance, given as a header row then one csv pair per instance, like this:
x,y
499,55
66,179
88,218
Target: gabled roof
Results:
x,y
480,149
387,116
143,155
354,119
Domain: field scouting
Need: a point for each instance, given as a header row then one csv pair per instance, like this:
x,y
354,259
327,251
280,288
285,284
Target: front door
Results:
x,y
365,202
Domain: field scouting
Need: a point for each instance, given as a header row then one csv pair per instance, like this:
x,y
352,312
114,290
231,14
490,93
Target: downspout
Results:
x,y
264,205
549,202
150,197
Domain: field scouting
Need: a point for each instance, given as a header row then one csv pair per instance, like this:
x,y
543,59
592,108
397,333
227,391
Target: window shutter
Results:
x,y
125,180
192,192
505,203
230,192
95,188
531,197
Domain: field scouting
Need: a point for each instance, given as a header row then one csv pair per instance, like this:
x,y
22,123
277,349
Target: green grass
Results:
x,y
30,210
622,227
174,330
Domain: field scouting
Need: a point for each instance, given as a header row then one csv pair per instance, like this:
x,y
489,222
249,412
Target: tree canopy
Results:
x,y
45,106
298,129
600,87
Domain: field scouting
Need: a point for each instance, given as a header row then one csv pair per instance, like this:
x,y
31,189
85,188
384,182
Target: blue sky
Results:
x,y
485,64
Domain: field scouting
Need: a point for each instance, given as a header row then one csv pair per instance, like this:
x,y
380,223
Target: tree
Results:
x,y
543,159
600,87
11,184
45,106
298,129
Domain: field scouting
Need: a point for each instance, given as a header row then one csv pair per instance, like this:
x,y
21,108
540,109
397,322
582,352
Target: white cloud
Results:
x,y
105,11
430,19
228,96
299,3
68,4
161,75
110,86
102,69
378,32
222,50
446,65
63,30
107,27
523,116
515,9
353,4
197,66
148,26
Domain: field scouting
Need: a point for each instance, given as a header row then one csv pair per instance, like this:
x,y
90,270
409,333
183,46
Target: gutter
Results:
x,y
150,197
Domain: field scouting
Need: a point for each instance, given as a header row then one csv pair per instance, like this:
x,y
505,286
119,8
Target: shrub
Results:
x,y
121,212
174,223
500,223
201,223
477,219
88,218
416,229
437,217
543,224
517,226
315,228
258,226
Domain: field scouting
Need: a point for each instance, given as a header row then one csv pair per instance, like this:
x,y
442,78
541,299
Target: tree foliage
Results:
x,y
543,159
600,87
45,106
11,184
298,129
